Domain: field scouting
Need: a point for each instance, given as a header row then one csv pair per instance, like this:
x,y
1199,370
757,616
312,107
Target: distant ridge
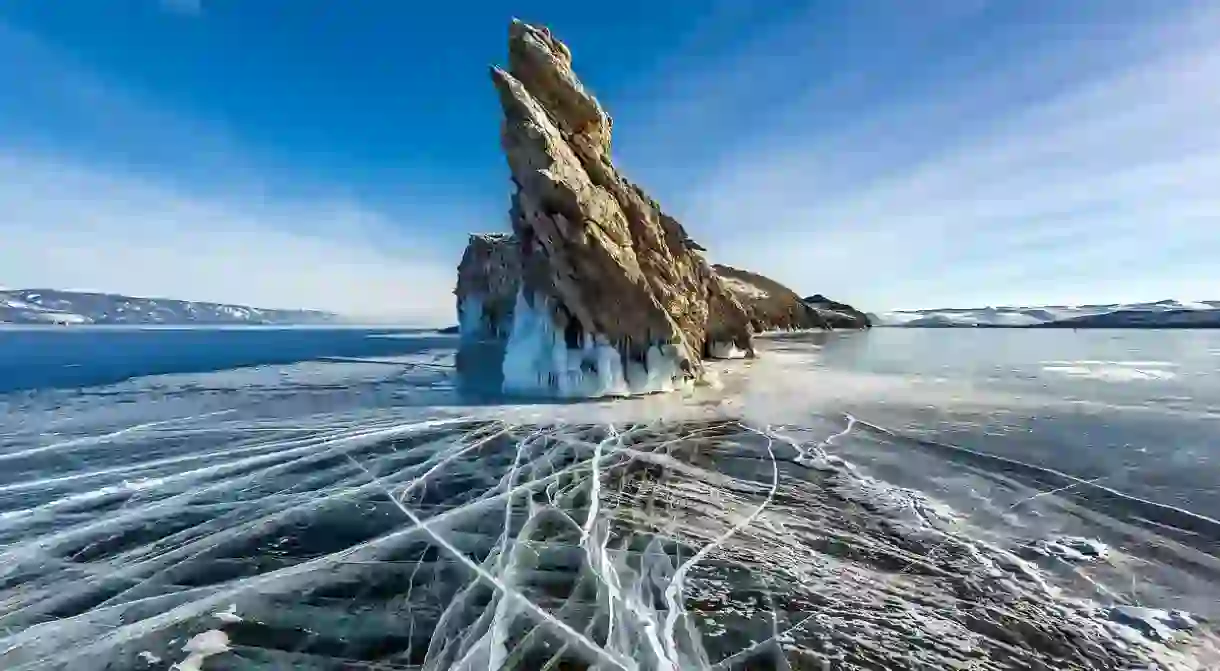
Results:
x,y
1158,314
52,306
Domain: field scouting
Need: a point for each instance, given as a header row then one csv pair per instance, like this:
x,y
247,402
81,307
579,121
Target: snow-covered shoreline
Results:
x,y
70,308
1159,314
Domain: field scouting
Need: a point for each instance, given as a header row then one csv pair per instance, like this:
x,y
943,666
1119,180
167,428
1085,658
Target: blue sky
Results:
x,y
894,154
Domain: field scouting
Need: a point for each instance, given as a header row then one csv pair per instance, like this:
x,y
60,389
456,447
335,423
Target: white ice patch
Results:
x,y
1072,549
229,616
470,317
1110,371
538,361
148,658
1153,623
743,288
726,350
1128,364
200,647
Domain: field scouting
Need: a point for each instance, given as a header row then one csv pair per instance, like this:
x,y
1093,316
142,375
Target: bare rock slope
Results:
x,y
838,315
774,307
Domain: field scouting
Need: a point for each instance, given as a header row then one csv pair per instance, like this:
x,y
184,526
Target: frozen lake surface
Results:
x,y
334,499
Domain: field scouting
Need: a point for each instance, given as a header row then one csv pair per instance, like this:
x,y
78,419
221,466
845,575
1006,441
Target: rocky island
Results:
x,y
597,291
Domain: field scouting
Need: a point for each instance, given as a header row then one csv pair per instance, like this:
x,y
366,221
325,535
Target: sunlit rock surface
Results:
x,y
772,306
601,264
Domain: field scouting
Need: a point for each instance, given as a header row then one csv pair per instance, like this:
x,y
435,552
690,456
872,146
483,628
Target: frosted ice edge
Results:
x,y
539,361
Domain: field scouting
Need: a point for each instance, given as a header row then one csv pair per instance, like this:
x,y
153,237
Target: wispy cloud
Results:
x,y
102,190
72,227
1073,160
958,152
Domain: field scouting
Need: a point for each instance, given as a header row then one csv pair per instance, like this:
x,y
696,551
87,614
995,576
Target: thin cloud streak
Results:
x,y
71,227
946,159
109,192
1096,186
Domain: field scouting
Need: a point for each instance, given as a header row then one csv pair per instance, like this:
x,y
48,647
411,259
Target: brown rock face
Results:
x,y
839,315
774,307
488,278
770,305
599,258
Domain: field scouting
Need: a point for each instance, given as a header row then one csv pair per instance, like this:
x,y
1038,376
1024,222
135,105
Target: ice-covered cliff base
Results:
x,y
531,356
470,317
477,322
540,360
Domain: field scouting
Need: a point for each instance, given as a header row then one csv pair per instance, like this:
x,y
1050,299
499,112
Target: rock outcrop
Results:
x,y
488,279
614,298
838,315
598,291
774,307
770,305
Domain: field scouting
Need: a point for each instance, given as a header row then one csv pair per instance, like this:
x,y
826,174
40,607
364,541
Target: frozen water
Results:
x,y
229,616
1072,549
1157,624
201,646
363,514
1113,371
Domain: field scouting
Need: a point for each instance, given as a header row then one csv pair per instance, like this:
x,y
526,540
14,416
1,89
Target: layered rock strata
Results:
x,y
614,298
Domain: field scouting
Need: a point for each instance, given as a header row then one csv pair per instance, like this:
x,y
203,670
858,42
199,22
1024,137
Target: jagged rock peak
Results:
x,y
603,269
543,65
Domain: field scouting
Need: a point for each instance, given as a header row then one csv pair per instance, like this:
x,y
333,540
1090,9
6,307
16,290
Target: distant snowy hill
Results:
x,y
1161,314
49,306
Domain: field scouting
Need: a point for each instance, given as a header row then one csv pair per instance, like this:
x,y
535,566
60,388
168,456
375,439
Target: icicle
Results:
x,y
539,361
470,317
